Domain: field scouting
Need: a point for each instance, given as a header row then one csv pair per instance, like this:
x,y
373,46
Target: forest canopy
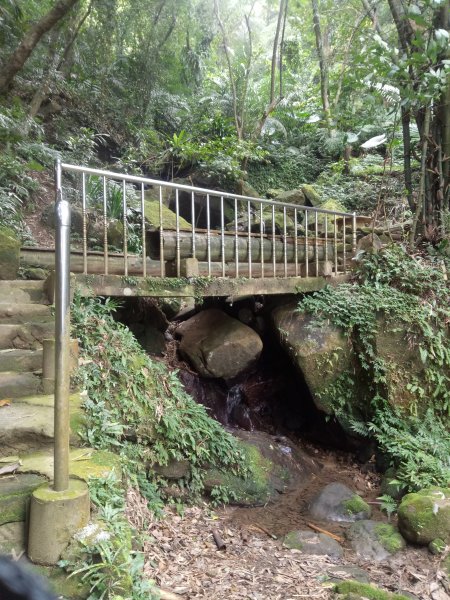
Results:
x,y
226,88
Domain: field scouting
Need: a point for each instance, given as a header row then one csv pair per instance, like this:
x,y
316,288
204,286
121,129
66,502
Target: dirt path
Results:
x,y
182,557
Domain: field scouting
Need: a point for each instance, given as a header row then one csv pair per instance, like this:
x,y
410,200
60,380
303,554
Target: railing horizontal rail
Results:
x,y
198,190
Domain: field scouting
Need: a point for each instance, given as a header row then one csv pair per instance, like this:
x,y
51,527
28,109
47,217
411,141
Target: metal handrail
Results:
x,y
265,242
199,190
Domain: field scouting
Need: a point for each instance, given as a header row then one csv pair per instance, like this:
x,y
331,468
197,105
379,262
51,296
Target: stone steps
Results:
x,y
27,424
17,385
20,360
27,336
23,292
24,313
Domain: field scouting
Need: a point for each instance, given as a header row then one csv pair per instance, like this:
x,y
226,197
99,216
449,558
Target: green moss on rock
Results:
x,y
425,515
389,537
356,505
437,546
15,493
365,590
152,216
9,253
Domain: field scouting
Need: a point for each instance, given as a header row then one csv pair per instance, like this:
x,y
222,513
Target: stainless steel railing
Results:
x,y
228,234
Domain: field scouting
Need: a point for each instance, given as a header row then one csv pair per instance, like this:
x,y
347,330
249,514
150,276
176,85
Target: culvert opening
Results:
x,y
271,395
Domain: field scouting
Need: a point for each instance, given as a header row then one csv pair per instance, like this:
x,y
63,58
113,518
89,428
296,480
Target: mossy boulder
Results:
x,y
355,590
425,516
312,196
9,253
271,470
320,351
152,217
374,541
292,197
337,502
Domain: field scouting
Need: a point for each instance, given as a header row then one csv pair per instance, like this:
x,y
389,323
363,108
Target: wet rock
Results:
x,y
425,516
9,253
320,351
273,468
337,502
337,574
217,345
374,541
317,544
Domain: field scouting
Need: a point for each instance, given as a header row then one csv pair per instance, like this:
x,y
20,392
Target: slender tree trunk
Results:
x,y
444,119
323,64
276,41
406,119
15,62
237,122
52,61
420,206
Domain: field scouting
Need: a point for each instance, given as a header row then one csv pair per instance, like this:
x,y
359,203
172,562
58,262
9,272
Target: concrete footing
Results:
x,y
54,518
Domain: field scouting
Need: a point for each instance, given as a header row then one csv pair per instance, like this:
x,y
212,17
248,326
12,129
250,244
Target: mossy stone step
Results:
x,y
14,312
23,292
25,336
15,385
83,463
20,360
15,492
27,424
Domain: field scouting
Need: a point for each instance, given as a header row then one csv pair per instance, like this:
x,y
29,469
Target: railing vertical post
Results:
x,y
62,337
354,234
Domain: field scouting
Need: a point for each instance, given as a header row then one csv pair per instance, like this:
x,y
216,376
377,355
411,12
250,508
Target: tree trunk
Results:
x,y
15,62
276,40
323,64
420,206
406,118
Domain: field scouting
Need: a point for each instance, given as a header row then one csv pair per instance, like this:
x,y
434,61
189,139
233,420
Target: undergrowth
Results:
x,y
406,410
138,408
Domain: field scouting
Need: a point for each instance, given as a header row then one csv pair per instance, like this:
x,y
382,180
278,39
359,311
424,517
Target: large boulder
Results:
x,y
320,351
425,516
273,467
9,253
398,347
337,502
217,345
292,197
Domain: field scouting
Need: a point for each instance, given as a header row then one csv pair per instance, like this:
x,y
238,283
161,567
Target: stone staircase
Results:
x,y
26,413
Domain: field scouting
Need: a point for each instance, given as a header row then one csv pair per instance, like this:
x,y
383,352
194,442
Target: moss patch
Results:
x,y
256,489
73,588
168,217
367,591
14,496
9,254
356,505
389,537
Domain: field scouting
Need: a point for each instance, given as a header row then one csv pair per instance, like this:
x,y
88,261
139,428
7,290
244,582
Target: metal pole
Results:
x,y
62,338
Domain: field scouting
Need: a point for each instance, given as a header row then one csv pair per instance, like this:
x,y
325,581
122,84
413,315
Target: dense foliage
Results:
x,y
138,408
410,294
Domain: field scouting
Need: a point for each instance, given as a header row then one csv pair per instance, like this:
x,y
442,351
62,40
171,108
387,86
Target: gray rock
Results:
x,y
292,197
374,541
176,469
340,573
15,492
13,538
317,544
337,502
217,345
